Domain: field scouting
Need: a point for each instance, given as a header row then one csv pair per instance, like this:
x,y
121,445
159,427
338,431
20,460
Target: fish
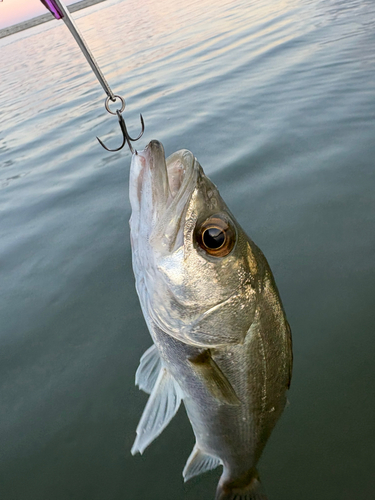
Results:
x,y
221,342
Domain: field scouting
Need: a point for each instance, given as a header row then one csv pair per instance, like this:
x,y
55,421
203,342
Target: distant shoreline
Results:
x,y
44,18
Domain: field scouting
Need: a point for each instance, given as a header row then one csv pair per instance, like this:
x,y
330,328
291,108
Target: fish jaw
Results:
x,y
159,191
148,189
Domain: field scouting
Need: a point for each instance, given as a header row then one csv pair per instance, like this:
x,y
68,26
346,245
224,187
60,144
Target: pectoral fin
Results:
x,y
161,407
199,462
214,379
148,370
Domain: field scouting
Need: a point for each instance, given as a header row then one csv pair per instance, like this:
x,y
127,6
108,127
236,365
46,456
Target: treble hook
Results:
x,y
126,137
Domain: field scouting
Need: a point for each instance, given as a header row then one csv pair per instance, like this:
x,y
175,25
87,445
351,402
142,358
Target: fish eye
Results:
x,y
216,236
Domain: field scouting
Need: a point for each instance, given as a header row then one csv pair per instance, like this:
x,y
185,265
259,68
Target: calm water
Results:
x,y
277,101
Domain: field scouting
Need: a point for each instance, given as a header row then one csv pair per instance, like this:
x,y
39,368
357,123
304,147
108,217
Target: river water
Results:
x,y
277,101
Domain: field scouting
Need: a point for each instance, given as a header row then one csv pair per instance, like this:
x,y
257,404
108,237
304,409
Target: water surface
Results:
x,y
277,101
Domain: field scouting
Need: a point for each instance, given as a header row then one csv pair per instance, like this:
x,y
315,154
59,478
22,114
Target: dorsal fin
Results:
x,y
161,407
148,370
199,462
214,379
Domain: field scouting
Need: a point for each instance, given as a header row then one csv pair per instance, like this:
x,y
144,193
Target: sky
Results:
x,y
16,11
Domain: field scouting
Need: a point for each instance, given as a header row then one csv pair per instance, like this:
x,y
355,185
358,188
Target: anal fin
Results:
x,y
161,407
214,379
199,462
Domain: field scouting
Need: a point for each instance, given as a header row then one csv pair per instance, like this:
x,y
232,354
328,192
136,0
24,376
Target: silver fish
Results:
x,y
221,341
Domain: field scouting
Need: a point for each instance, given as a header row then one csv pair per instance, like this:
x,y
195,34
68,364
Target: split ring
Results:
x,y
116,97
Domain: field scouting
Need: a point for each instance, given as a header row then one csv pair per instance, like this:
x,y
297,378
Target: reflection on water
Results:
x,y
276,99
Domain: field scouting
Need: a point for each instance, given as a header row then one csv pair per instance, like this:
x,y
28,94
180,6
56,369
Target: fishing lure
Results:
x,y
59,11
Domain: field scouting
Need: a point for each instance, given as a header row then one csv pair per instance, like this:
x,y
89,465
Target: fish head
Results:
x,y
195,267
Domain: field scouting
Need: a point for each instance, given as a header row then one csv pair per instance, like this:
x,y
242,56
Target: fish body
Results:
x,y
221,341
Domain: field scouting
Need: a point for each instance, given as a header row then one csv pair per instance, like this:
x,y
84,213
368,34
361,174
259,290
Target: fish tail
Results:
x,y
247,487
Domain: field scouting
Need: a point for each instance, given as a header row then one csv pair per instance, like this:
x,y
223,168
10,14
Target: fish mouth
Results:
x,y
160,190
162,183
168,174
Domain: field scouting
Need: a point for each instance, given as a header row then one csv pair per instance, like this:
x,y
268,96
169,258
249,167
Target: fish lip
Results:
x,y
152,149
148,171
154,159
